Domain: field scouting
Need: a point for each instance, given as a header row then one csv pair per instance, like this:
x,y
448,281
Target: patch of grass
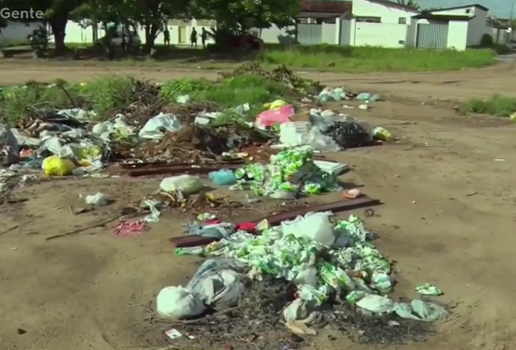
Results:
x,y
228,93
108,93
498,105
374,59
102,95
32,95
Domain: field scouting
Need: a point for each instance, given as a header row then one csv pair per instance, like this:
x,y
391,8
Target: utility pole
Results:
x,y
511,23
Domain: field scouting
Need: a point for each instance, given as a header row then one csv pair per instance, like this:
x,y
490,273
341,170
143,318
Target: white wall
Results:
x,y
365,8
16,31
477,27
457,35
468,10
380,34
388,33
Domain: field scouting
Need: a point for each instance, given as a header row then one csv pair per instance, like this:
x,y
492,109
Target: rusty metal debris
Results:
x,y
339,206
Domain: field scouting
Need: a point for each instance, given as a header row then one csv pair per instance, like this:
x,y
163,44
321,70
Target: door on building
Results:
x,y
182,34
432,36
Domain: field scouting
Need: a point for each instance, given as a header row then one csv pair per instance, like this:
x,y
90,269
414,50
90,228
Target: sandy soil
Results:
x,y
447,219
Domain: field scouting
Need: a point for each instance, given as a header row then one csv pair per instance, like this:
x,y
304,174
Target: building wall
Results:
x,y
364,8
392,31
468,10
18,32
458,34
477,27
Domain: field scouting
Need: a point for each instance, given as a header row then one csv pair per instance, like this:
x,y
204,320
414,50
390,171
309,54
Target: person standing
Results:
x,y
193,38
204,37
166,37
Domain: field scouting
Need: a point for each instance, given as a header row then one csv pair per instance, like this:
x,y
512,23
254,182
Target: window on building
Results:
x,y
402,20
401,42
368,19
468,11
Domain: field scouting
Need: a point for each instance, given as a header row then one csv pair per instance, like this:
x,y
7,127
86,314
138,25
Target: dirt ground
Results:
x,y
447,219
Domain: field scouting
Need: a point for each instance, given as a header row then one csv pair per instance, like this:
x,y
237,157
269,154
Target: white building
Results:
x,y
388,24
377,23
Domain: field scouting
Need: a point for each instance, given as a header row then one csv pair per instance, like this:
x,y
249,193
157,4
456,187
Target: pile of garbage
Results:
x,y
327,265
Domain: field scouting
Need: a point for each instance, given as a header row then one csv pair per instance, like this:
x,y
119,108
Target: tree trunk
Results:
x,y
58,26
151,32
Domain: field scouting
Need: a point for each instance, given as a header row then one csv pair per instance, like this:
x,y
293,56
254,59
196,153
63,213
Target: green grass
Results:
x,y
108,94
375,59
498,105
228,93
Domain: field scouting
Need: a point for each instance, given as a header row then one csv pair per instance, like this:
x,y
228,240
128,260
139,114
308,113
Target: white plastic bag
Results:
x,y
218,282
185,183
225,288
98,199
295,134
376,304
296,310
306,275
152,129
313,226
177,303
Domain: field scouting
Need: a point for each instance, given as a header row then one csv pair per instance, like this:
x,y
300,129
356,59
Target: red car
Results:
x,y
249,41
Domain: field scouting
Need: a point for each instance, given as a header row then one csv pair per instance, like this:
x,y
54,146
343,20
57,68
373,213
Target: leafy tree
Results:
x,y
56,14
149,14
409,3
240,16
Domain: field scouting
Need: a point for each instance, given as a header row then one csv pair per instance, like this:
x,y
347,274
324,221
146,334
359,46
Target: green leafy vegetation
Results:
x,y
372,59
498,105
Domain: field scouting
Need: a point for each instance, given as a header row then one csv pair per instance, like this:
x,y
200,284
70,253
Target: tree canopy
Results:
x,y
153,14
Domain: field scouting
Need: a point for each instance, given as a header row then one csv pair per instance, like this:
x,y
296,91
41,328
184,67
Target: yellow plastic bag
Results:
x,y
274,104
55,166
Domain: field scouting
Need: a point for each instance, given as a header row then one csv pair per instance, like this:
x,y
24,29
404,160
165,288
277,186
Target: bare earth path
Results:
x,y
448,219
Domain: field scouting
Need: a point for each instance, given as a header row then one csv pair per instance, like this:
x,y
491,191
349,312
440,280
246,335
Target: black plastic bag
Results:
x,y
349,134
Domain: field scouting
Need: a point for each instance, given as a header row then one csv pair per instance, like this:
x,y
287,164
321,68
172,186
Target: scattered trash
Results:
x,y
429,289
97,200
223,177
57,166
130,229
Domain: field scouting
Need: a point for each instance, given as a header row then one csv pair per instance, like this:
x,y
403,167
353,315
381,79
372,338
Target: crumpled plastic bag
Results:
x,y
219,282
275,104
187,184
119,126
177,303
329,94
56,166
377,304
420,310
8,142
299,309
295,134
98,199
313,226
155,126
274,116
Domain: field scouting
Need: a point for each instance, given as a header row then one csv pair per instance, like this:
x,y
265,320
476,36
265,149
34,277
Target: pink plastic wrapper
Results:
x,y
275,116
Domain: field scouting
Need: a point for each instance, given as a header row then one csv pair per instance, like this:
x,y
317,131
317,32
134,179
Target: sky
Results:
x,y
497,8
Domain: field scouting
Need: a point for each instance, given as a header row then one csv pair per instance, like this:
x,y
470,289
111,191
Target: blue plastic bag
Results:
x,y
223,177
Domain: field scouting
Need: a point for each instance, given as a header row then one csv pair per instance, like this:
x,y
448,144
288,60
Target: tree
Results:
x,y
56,13
409,3
150,14
240,16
